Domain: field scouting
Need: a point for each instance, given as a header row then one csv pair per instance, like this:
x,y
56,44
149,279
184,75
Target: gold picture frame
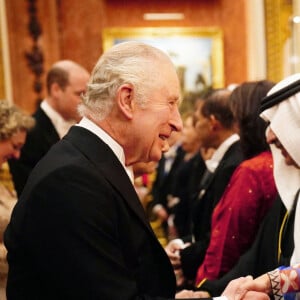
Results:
x,y
196,52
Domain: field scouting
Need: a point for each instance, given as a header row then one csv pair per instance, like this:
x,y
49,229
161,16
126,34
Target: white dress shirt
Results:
x,y
111,143
60,124
214,161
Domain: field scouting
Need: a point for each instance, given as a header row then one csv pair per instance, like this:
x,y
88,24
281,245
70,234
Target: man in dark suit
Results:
x,y
163,185
79,230
66,81
215,125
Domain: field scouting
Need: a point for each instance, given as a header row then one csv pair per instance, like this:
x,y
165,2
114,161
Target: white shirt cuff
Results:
x,y
220,298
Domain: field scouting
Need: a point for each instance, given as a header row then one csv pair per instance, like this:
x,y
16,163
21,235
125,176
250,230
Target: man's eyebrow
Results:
x,y
177,99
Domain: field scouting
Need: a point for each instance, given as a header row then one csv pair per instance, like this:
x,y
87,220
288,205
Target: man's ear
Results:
x,y
214,122
55,89
125,96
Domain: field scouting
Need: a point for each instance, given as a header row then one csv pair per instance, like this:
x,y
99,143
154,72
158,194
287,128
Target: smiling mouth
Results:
x,y
163,137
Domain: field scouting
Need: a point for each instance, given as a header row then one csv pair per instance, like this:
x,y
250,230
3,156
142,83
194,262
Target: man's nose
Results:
x,y
176,121
17,154
270,136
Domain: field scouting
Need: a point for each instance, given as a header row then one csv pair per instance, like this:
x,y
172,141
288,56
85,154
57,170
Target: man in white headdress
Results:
x,y
282,110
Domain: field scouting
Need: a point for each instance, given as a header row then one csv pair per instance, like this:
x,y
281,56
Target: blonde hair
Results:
x,y
12,120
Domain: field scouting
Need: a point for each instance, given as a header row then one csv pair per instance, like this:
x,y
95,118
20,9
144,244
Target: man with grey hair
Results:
x,y
66,81
79,230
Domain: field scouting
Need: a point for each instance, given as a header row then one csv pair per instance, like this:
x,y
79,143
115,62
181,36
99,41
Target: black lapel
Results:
x,y
48,130
108,164
205,182
208,177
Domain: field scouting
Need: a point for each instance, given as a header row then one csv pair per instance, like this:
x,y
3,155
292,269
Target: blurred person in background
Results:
x,y
186,181
66,82
14,125
250,192
163,185
216,129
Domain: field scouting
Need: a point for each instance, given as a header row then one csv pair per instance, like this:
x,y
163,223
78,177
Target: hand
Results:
x,y
162,214
255,296
188,294
259,284
180,279
203,294
172,250
236,290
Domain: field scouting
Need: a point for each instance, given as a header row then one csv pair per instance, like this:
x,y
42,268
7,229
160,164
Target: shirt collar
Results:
x,y
213,163
172,152
107,139
60,124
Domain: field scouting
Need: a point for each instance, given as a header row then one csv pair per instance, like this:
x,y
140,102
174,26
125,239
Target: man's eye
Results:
x,y
79,93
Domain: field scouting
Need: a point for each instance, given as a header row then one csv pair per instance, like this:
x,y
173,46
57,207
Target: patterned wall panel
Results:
x,y
277,13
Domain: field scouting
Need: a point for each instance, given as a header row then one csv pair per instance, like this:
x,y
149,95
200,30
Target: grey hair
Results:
x,y
125,63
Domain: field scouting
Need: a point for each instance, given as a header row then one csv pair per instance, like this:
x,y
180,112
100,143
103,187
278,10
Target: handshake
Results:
x,y
243,288
248,288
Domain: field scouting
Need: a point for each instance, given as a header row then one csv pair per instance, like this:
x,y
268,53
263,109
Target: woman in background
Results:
x,y
14,125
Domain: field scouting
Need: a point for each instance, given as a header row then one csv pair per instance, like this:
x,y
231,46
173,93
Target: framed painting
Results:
x,y
196,52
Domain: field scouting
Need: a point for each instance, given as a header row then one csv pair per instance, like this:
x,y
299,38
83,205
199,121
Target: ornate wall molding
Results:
x,y
35,57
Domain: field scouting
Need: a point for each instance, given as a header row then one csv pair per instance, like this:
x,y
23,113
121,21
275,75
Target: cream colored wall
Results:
x,y
256,59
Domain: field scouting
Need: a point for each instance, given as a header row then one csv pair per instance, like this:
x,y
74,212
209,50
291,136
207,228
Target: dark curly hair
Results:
x,y
245,103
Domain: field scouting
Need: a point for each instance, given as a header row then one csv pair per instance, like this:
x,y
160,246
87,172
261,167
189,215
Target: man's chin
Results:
x,y
165,147
155,157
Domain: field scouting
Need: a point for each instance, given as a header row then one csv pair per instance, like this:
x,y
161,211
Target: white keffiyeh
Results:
x,y
284,121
